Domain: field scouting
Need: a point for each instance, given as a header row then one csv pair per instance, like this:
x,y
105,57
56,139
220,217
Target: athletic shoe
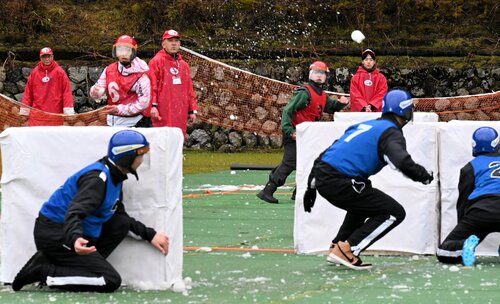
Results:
x,y
342,254
328,259
34,271
470,245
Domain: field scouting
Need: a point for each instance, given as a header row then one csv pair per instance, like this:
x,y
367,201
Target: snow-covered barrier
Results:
x,y
418,233
37,160
455,150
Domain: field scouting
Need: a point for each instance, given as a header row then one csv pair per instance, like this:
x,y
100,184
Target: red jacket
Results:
x,y
172,90
367,88
52,95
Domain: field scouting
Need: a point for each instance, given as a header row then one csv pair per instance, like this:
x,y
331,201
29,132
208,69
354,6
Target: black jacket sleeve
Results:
x,y
466,185
88,198
136,227
392,149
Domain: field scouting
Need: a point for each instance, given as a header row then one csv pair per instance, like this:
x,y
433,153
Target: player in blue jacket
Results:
x,y
478,205
85,220
340,174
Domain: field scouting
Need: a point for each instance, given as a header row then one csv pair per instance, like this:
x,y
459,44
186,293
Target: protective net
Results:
x,y
239,100
10,117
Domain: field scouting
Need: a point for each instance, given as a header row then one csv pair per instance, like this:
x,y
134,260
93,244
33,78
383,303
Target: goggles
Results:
x,y
122,50
142,151
318,72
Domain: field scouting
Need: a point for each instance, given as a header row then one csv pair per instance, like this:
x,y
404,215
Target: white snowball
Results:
x,y
454,268
357,36
188,281
179,286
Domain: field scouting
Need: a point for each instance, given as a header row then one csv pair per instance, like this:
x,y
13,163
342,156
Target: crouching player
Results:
x,y
340,174
85,220
478,205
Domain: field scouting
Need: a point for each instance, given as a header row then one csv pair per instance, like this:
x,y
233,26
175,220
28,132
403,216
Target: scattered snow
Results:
x,y
254,280
454,268
204,249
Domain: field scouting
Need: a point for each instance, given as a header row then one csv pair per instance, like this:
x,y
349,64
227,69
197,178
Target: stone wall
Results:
x,y
433,82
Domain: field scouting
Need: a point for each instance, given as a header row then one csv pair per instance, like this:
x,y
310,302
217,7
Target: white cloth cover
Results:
x,y
37,160
354,117
418,233
455,150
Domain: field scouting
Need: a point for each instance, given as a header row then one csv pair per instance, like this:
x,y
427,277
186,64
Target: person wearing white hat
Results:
x,y
368,85
49,90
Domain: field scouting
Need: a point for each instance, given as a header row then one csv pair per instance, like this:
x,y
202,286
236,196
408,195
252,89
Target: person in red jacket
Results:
x,y
126,85
368,86
49,90
173,98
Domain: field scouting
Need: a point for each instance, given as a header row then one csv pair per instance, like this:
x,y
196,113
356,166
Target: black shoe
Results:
x,y
267,198
32,272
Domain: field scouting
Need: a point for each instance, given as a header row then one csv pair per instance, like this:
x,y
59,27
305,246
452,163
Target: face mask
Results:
x,y
123,51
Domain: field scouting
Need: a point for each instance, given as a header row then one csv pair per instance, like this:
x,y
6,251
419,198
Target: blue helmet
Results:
x,y
398,102
484,140
125,145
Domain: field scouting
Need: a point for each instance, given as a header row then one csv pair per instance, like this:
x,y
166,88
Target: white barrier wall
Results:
x,y
418,233
37,160
455,150
355,117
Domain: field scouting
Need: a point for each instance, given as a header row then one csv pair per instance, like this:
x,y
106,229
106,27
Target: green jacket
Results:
x,y
300,100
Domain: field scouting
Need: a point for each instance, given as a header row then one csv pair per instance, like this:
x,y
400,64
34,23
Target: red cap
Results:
x,y
170,34
46,51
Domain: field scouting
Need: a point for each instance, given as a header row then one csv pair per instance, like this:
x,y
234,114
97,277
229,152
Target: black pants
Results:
x,y
480,220
73,272
288,164
145,122
371,213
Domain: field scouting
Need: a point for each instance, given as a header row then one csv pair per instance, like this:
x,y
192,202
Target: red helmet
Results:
x,y
125,41
319,65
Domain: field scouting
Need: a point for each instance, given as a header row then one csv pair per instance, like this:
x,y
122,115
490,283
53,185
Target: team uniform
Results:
x,y
49,90
172,90
307,104
342,173
89,204
478,206
128,88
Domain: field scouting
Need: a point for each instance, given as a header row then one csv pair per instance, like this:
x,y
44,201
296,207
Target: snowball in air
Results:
x,y
357,36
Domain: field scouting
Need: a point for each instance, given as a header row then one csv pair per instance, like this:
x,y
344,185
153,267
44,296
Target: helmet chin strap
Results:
x,y
133,172
125,63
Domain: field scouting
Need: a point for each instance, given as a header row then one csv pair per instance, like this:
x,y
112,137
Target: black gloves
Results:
x,y
309,199
310,195
429,179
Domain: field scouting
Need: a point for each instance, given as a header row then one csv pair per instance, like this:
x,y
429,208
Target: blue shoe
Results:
x,y
470,244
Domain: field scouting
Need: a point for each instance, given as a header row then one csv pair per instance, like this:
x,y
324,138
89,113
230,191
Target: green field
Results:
x,y
237,219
